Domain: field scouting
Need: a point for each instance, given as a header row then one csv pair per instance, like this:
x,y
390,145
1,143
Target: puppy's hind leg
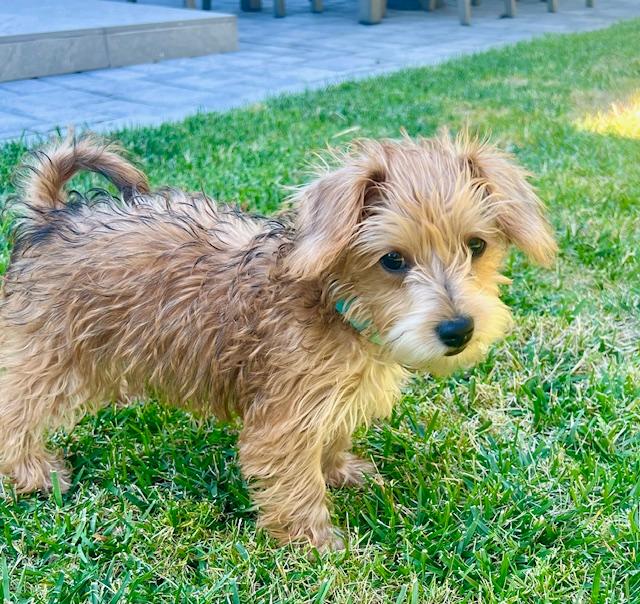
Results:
x,y
28,408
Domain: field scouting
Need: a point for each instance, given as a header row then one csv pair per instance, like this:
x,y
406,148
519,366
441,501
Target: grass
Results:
x,y
518,481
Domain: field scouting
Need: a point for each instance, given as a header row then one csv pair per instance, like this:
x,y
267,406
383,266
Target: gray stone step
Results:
x,y
49,37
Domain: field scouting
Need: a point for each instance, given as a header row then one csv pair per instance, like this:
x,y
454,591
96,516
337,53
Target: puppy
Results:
x,y
306,325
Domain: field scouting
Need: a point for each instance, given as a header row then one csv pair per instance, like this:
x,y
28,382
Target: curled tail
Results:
x,y
46,172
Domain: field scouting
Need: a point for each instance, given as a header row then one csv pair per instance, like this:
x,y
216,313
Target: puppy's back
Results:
x,y
143,291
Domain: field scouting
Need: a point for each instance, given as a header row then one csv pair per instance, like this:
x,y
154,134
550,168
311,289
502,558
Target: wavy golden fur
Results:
x,y
224,313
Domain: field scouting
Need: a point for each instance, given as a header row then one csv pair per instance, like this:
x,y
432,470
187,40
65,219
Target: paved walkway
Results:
x,y
303,50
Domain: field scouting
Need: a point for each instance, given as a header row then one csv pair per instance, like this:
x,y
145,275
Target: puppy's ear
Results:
x,y
330,208
519,212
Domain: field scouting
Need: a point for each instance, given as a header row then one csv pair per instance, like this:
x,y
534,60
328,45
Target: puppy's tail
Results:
x,y
44,175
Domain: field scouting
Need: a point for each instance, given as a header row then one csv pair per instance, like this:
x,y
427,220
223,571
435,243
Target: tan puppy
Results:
x,y
306,325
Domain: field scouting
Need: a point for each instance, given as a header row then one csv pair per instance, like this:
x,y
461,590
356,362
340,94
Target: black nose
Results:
x,y
456,332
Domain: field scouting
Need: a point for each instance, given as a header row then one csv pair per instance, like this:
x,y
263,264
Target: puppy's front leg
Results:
x,y
283,464
342,468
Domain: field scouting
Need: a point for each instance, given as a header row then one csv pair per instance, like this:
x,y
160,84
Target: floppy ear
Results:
x,y
330,208
519,212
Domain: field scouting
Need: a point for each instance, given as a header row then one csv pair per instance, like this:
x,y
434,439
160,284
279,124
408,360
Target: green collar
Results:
x,y
365,328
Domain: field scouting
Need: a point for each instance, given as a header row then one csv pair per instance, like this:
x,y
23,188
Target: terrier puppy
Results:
x,y
306,325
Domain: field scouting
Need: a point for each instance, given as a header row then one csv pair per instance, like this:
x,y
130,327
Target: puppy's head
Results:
x,y
409,237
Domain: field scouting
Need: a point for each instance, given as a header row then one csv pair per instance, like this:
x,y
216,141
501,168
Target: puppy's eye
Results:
x,y
394,262
477,246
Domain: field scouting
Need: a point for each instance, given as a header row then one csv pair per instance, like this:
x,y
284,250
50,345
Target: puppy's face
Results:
x,y
412,235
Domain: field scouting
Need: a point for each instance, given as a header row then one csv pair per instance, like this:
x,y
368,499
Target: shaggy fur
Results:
x,y
223,313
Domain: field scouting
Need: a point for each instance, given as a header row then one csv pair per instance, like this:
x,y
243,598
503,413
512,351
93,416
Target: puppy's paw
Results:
x,y
330,541
351,472
36,474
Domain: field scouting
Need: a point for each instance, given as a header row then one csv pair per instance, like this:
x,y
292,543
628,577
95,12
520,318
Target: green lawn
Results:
x,y
518,481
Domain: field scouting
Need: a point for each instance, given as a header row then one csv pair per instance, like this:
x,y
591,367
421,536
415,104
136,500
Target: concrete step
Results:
x,y
49,37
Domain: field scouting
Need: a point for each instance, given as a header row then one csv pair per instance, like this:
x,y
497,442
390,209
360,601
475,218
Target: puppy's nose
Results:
x,y
456,332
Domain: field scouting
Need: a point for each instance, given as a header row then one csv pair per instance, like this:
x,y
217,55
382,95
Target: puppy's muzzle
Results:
x,y
455,333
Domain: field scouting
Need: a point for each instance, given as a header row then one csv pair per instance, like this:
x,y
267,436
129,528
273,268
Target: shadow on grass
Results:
x,y
147,451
